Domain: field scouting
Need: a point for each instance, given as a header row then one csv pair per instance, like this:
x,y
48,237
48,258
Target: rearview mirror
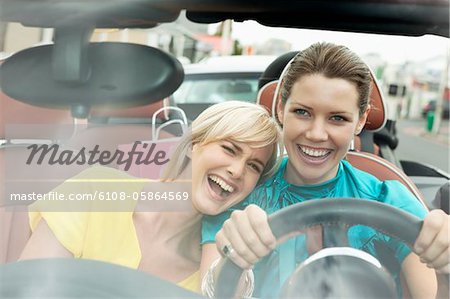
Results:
x,y
119,75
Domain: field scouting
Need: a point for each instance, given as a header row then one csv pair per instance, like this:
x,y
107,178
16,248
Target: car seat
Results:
x,y
15,229
16,129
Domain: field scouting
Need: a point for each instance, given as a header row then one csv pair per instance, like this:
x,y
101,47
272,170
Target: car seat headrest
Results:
x,y
274,70
377,117
120,75
269,91
265,96
13,112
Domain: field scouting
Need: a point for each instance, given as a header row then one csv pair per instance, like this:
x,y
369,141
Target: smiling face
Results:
x,y
319,119
224,173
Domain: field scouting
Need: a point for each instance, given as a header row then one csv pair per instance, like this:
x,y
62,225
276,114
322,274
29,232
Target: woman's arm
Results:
x,y
433,253
209,255
211,264
248,237
43,244
420,280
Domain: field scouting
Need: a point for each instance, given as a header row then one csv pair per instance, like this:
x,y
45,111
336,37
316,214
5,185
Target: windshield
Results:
x,y
112,92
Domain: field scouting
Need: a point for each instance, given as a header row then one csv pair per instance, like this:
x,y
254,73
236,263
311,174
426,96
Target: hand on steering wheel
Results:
x,y
246,237
336,215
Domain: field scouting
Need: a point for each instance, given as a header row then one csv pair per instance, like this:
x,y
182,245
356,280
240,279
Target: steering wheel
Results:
x,y
336,215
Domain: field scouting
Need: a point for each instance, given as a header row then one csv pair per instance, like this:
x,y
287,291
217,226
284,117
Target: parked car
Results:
x,y
219,79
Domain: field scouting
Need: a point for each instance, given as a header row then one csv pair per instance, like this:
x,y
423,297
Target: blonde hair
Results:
x,y
237,121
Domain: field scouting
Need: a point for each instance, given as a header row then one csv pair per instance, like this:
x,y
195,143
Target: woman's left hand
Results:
x,y
433,248
433,243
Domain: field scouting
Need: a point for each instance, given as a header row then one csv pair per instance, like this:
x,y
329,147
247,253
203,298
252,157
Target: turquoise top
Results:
x,y
276,193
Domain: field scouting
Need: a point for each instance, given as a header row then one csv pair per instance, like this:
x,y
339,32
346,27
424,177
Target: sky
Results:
x,y
393,49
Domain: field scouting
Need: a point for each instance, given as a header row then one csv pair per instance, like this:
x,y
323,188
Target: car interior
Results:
x,y
118,127
77,93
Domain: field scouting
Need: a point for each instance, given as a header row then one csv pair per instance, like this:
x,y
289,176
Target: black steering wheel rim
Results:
x,y
336,211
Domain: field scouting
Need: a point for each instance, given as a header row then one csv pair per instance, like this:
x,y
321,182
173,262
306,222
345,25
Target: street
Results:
x,y
418,145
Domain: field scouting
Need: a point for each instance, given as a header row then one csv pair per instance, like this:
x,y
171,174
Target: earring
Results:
x,y
352,144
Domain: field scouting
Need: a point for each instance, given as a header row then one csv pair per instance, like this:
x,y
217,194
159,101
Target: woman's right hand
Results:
x,y
246,237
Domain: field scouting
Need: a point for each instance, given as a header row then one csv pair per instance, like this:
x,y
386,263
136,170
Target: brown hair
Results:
x,y
331,61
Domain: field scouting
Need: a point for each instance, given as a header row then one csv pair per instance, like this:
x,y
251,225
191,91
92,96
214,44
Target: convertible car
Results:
x,y
76,92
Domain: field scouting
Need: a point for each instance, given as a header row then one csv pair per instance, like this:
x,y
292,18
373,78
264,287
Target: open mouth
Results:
x,y
314,154
219,186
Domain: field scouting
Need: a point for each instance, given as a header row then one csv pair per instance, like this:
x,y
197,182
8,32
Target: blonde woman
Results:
x,y
232,146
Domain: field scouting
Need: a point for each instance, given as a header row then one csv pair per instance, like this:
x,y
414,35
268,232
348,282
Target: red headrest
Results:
x,y
377,115
266,96
18,113
375,120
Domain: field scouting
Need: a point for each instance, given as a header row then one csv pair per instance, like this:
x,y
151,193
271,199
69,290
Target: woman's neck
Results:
x,y
169,225
168,215
169,243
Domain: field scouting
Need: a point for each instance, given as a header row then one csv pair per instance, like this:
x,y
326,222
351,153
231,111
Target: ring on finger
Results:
x,y
227,250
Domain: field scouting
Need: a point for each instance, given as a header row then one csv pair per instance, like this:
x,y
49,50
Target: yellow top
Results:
x,y
104,236
191,283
